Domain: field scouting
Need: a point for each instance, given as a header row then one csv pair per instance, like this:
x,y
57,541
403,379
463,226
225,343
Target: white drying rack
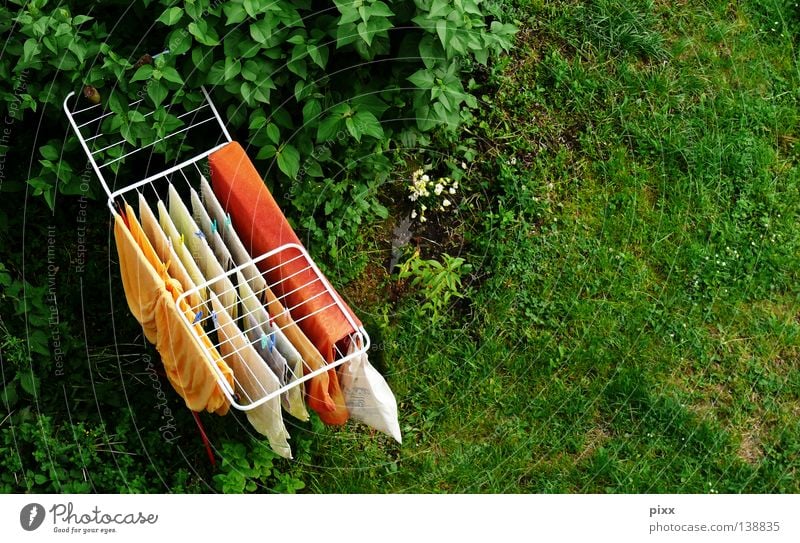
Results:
x,y
237,396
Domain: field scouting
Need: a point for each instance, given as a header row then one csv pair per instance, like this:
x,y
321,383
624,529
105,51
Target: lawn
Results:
x,y
632,318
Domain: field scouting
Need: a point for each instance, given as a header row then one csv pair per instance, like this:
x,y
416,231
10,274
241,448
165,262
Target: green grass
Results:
x,y
632,322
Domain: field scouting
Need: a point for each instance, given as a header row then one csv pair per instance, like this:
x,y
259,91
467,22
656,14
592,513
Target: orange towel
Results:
x,y
151,294
263,227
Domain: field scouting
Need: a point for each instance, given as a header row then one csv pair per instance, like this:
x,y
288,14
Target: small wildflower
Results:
x,y
413,213
513,160
438,190
463,165
446,202
426,178
452,190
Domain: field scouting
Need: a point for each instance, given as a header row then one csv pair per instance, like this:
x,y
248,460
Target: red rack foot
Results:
x,y
206,442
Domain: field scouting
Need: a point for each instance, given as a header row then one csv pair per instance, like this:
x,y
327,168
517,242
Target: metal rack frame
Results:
x,y
360,335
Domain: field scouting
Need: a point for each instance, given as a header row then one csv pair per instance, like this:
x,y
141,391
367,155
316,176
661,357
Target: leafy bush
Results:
x,y
321,92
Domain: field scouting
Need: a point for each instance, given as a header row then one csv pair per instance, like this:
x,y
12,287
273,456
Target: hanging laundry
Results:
x,y
198,246
322,392
166,253
253,380
368,396
262,227
213,237
152,295
231,238
184,255
260,325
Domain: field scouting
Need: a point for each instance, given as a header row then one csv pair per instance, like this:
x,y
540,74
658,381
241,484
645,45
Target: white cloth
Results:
x,y
253,380
367,395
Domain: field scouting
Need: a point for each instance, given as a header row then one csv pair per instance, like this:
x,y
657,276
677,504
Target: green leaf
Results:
x,y
367,124
156,92
257,120
49,152
28,381
261,31
135,116
179,41
234,12
203,33
172,75
441,8
318,54
311,111
268,151
273,133
202,59
233,67
216,75
30,49
423,79
328,127
144,73
80,19
350,123
171,16
289,161
253,7
380,9
363,31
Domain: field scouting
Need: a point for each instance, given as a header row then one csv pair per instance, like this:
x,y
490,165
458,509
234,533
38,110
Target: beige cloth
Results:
x,y
165,251
253,380
180,249
195,240
231,238
292,398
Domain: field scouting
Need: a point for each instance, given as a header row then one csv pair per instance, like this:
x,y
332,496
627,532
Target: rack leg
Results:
x,y
206,442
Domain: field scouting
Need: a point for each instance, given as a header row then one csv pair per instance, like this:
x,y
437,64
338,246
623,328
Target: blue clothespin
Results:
x,y
271,341
198,316
214,319
213,225
200,234
228,220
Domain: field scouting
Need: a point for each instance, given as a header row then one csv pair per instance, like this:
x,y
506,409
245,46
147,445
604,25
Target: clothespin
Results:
x,y
200,234
181,240
271,341
169,242
213,225
198,316
214,319
264,340
227,220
